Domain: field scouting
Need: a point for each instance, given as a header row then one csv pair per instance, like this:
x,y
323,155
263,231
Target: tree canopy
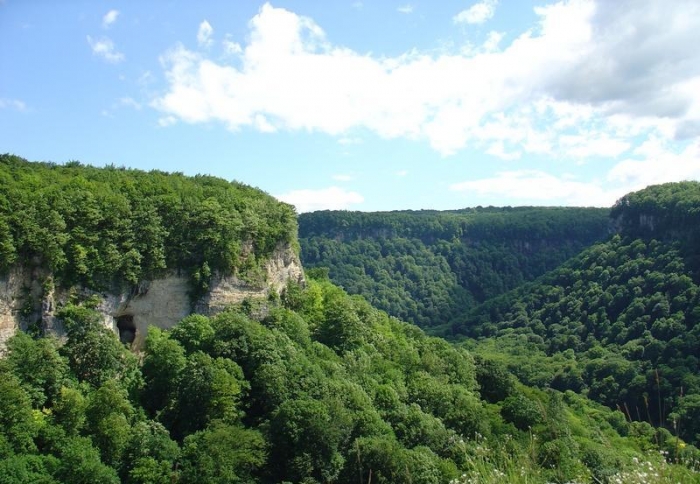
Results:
x,y
427,267
103,226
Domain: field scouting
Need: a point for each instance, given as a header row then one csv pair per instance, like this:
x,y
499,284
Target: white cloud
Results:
x,y
231,47
167,121
586,145
656,163
477,13
104,47
498,150
531,186
343,177
204,34
408,8
402,173
589,80
130,102
109,18
651,163
492,41
332,198
14,104
262,124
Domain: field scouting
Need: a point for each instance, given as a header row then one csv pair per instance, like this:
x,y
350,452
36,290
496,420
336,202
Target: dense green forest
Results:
x,y
317,387
620,322
428,267
104,226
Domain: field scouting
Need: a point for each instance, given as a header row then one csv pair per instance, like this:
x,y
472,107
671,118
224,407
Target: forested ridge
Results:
x,y
428,267
100,227
621,321
309,386
315,387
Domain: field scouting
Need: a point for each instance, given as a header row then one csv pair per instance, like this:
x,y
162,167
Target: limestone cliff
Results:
x,y
26,298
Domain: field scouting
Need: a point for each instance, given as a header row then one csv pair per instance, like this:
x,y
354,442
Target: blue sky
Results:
x,y
363,105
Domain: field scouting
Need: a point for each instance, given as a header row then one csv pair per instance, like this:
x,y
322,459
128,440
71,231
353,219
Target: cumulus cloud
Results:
x,y
654,162
408,8
588,80
651,163
477,13
230,47
105,48
332,198
532,186
109,18
204,34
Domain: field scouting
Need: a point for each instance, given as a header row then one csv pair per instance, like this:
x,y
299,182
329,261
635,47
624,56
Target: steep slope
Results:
x,y
621,321
427,267
150,246
318,387
308,386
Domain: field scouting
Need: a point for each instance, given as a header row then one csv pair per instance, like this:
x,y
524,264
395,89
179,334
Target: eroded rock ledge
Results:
x,y
160,302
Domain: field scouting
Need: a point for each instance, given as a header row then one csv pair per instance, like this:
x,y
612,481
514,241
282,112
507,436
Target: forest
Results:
x,y
621,321
315,387
101,227
575,362
427,267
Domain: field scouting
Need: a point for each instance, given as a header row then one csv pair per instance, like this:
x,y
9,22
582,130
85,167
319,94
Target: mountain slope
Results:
x,y
309,386
621,321
427,267
318,387
102,226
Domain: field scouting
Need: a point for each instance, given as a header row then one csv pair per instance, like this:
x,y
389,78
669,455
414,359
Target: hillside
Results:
x,y
621,321
428,267
152,247
310,385
100,227
318,387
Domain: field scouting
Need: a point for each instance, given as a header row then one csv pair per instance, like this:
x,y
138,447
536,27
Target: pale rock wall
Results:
x,y
9,304
161,302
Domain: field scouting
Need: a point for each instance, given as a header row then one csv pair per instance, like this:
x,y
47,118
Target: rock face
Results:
x,y
161,302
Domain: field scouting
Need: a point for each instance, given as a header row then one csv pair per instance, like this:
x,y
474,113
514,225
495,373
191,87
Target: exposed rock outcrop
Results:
x,y
26,298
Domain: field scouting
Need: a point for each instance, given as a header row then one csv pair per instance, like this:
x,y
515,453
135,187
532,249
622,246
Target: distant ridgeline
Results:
x,y
428,266
669,212
621,321
103,226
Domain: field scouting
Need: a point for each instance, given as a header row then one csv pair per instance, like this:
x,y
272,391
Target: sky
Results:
x,y
363,105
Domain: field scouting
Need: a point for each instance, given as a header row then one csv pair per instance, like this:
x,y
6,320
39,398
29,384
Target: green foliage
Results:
x,y
162,369
222,454
38,365
234,399
208,389
94,353
619,322
522,411
17,422
426,267
319,386
80,463
103,226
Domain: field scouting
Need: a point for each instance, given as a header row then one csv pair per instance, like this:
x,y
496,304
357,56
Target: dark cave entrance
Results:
x,y
127,328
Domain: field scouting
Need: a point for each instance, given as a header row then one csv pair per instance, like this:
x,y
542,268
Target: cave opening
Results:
x,y
127,328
